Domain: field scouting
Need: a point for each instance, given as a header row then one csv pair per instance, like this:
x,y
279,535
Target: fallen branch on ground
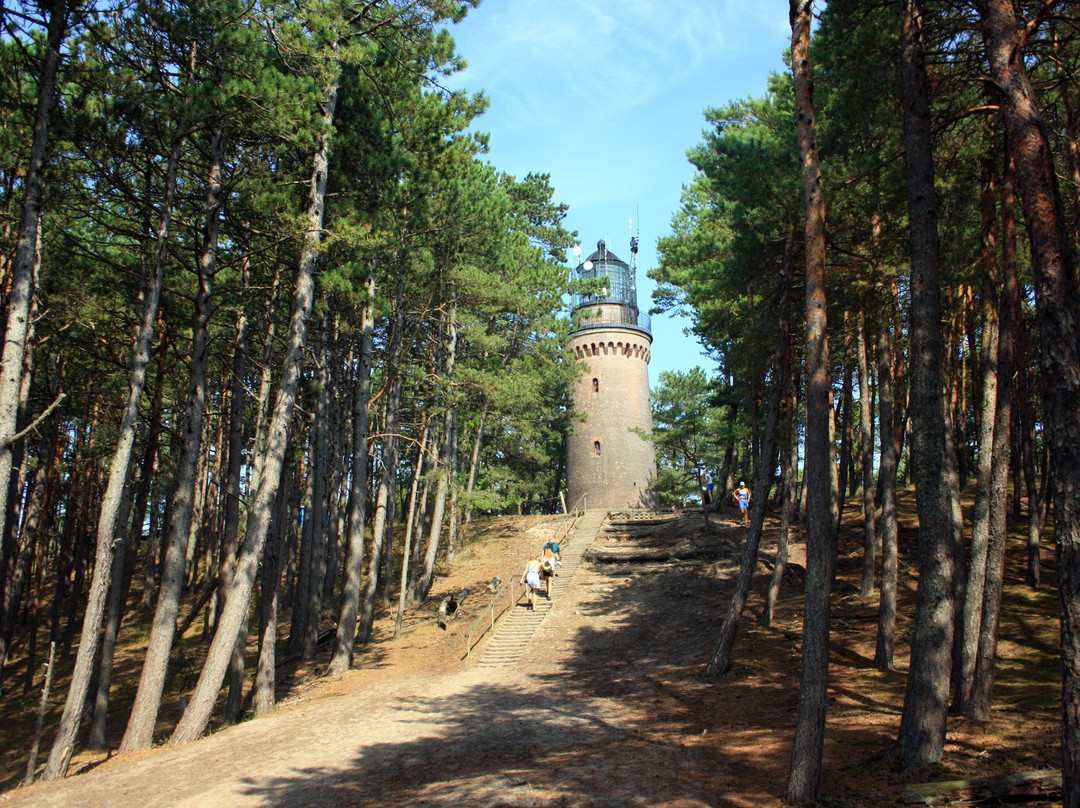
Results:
x,y
1014,787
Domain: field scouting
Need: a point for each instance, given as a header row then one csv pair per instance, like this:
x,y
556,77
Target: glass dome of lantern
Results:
x,y
611,295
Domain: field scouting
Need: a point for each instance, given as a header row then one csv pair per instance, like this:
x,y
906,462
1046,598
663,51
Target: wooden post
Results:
x,y
31,764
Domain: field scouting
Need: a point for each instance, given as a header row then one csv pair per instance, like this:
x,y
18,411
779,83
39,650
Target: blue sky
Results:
x,y
607,97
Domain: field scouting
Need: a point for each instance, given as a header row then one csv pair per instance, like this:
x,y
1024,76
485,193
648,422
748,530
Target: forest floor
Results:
x,y
608,708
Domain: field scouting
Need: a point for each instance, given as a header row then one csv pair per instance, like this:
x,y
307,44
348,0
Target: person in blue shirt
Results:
x,y
742,496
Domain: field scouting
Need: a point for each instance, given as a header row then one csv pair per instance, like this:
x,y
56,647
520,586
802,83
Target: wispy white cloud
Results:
x,y
551,57
607,95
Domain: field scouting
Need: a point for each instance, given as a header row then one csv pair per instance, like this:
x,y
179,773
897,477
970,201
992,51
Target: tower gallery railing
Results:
x,y
604,316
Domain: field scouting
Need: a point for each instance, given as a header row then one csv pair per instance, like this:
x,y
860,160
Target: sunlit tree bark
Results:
x,y
804,777
197,715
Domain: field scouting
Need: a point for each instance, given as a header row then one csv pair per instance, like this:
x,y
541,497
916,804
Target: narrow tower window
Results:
x,y
596,385
596,447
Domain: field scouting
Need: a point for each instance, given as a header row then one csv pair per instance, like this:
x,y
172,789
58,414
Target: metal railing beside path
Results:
x,y
491,613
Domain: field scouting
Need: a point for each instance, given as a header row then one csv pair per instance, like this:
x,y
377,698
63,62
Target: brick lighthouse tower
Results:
x,y
606,459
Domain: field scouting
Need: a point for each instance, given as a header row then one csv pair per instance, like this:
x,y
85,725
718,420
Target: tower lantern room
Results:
x,y
608,459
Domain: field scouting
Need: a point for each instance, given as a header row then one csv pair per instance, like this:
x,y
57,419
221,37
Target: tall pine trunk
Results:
x,y
887,527
264,689
450,336
427,457
140,729
230,521
981,691
9,522
720,661
408,566
921,737
866,454
143,509
262,402
34,519
345,640
320,531
64,745
24,268
197,716
383,519
474,461
970,613
804,777
1057,301
846,420
789,473
114,614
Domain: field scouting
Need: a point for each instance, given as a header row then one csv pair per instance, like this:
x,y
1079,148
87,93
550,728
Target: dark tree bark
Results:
x,y
968,626
316,531
383,518
10,522
720,661
955,353
1038,513
303,635
46,689
33,521
1057,301
408,565
298,542
33,614
1070,119
866,453
1027,420
114,614
452,533
450,336
230,517
804,778
886,630
922,725
416,502
81,560
789,473
1015,451
982,686
846,401
264,689
143,511
337,464
75,507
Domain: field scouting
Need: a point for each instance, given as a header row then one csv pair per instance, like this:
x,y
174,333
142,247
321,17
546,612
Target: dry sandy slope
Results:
x,y
606,710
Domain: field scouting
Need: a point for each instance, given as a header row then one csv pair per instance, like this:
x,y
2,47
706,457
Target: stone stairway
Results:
x,y
516,629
